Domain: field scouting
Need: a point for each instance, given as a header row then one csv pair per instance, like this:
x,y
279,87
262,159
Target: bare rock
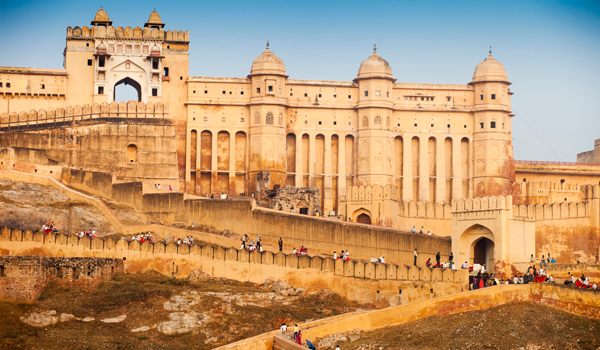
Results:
x,y
180,323
41,319
65,317
141,329
179,303
115,319
88,319
198,275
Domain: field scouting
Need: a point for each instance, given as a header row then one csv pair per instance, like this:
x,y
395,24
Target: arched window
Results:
x,y
256,118
269,118
132,154
377,120
365,122
388,122
280,119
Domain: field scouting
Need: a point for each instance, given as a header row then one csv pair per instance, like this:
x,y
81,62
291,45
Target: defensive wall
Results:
x,y
382,284
577,301
22,278
561,271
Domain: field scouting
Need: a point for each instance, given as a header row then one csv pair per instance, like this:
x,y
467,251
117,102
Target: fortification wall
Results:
x,y
561,271
357,280
102,32
22,278
576,301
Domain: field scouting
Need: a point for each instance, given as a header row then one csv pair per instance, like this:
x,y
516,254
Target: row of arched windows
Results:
x,y
269,120
376,121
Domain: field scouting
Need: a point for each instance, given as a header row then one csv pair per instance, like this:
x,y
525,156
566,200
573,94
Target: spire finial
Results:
x,y
374,48
155,9
490,50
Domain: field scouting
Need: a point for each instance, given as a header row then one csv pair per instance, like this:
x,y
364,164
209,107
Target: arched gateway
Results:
x,y
476,246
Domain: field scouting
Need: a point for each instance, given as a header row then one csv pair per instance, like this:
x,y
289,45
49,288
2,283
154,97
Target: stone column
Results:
x,y
341,167
232,191
312,152
423,169
407,185
299,161
440,173
214,173
190,188
327,182
457,175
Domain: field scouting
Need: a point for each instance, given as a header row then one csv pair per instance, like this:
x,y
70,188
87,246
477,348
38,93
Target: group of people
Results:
x,y
414,230
582,282
302,252
297,337
157,186
251,246
49,228
438,262
344,255
90,234
143,237
189,240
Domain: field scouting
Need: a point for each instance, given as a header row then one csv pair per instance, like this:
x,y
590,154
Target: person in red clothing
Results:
x,y
299,338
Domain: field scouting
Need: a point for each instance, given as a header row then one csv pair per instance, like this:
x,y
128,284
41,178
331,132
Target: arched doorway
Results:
x,y
363,219
476,246
483,253
127,94
132,154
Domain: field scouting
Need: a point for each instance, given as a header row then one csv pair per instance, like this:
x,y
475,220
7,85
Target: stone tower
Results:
x,y
492,146
267,117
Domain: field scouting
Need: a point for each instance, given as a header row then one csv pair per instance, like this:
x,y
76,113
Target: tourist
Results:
x,y
516,280
337,347
532,259
170,188
465,265
428,262
437,258
429,233
280,244
451,258
295,331
283,330
415,263
548,259
310,345
347,256
299,338
595,286
551,279
258,243
335,255
572,278
481,283
413,230
543,262
421,230
482,268
475,284
382,259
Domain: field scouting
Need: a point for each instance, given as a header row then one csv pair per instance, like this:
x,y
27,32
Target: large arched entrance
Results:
x,y
127,95
363,219
483,252
477,247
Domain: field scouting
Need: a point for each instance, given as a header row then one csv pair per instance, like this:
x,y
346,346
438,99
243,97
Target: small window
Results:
x,y
100,90
2,273
101,62
223,92
481,125
493,125
194,91
405,98
320,122
388,94
241,92
398,124
422,98
415,125
305,95
366,93
291,94
465,126
493,96
502,125
349,96
166,71
206,91
181,78
43,86
168,46
205,119
432,98
155,63
0,84
258,90
448,98
432,125
334,96
87,44
89,62
154,92
230,92
319,95
270,88
7,85
194,119
481,97
334,123
241,120
223,119
376,92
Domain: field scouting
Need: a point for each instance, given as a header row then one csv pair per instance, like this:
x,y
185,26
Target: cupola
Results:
x,y
154,21
375,67
101,18
267,64
490,70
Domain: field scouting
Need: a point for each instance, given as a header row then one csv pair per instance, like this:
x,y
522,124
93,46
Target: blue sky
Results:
x,y
551,49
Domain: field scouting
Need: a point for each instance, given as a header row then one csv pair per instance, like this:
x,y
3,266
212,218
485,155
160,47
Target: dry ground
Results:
x,y
512,326
141,298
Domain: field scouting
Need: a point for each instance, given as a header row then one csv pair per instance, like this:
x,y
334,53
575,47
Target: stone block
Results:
x,y
426,273
392,271
183,249
339,267
414,273
381,271
436,275
328,264
171,248
244,255
359,269
208,252
159,248
304,262
256,257
349,268
279,259
370,270
291,261
219,253
97,243
231,254
267,258
196,250
316,262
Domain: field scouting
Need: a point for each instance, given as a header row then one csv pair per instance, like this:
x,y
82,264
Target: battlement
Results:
x,y
69,114
111,32
366,194
552,211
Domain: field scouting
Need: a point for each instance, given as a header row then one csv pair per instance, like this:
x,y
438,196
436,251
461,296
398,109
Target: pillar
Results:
x,y
457,174
232,164
327,182
214,173
341,167
440,173
407,187
423,169
312,152
299,171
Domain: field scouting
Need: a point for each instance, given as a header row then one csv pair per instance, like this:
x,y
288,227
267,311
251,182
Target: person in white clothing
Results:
x,y
516,280
382,259
283,330
482,268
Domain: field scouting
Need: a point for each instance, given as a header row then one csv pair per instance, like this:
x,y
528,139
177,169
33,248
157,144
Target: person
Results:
x,y
382,259
465,265
283,330
296,252
293,210
415,263
310,345
550,279
170,188
421,230
482,268
437,258
159,186
428,262
543,262
280,244
337,347
335,255
429,233
475,282
258,243
572,278
451,258
299,338
595,286
413,230
295,331
244,241
481,283
532,259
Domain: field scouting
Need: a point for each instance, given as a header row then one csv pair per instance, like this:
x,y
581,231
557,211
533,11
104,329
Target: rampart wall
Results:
x,y
355,279
102,32
576,301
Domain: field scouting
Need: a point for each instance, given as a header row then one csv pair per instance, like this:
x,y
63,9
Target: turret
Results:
x,y
492,146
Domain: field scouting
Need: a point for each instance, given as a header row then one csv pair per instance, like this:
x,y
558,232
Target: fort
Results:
x,y
323,164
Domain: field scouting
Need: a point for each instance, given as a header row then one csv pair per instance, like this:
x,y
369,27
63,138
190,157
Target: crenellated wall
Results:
x,y
354,279
102,32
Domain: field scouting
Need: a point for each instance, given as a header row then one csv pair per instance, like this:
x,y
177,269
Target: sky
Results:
x,y
550,49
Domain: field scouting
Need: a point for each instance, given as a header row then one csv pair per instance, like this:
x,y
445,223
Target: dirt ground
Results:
x,y
236,311
513,326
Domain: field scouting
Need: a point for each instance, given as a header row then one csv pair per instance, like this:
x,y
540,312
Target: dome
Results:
x,y
267,63
155,50
101,47
154,20
490,70
101,18
375,67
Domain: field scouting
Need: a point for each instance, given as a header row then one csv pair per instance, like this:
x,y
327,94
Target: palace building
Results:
x,y
380,151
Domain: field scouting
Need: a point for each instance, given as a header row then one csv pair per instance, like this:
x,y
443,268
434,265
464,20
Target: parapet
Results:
x,y
68,114
111,32
553,211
